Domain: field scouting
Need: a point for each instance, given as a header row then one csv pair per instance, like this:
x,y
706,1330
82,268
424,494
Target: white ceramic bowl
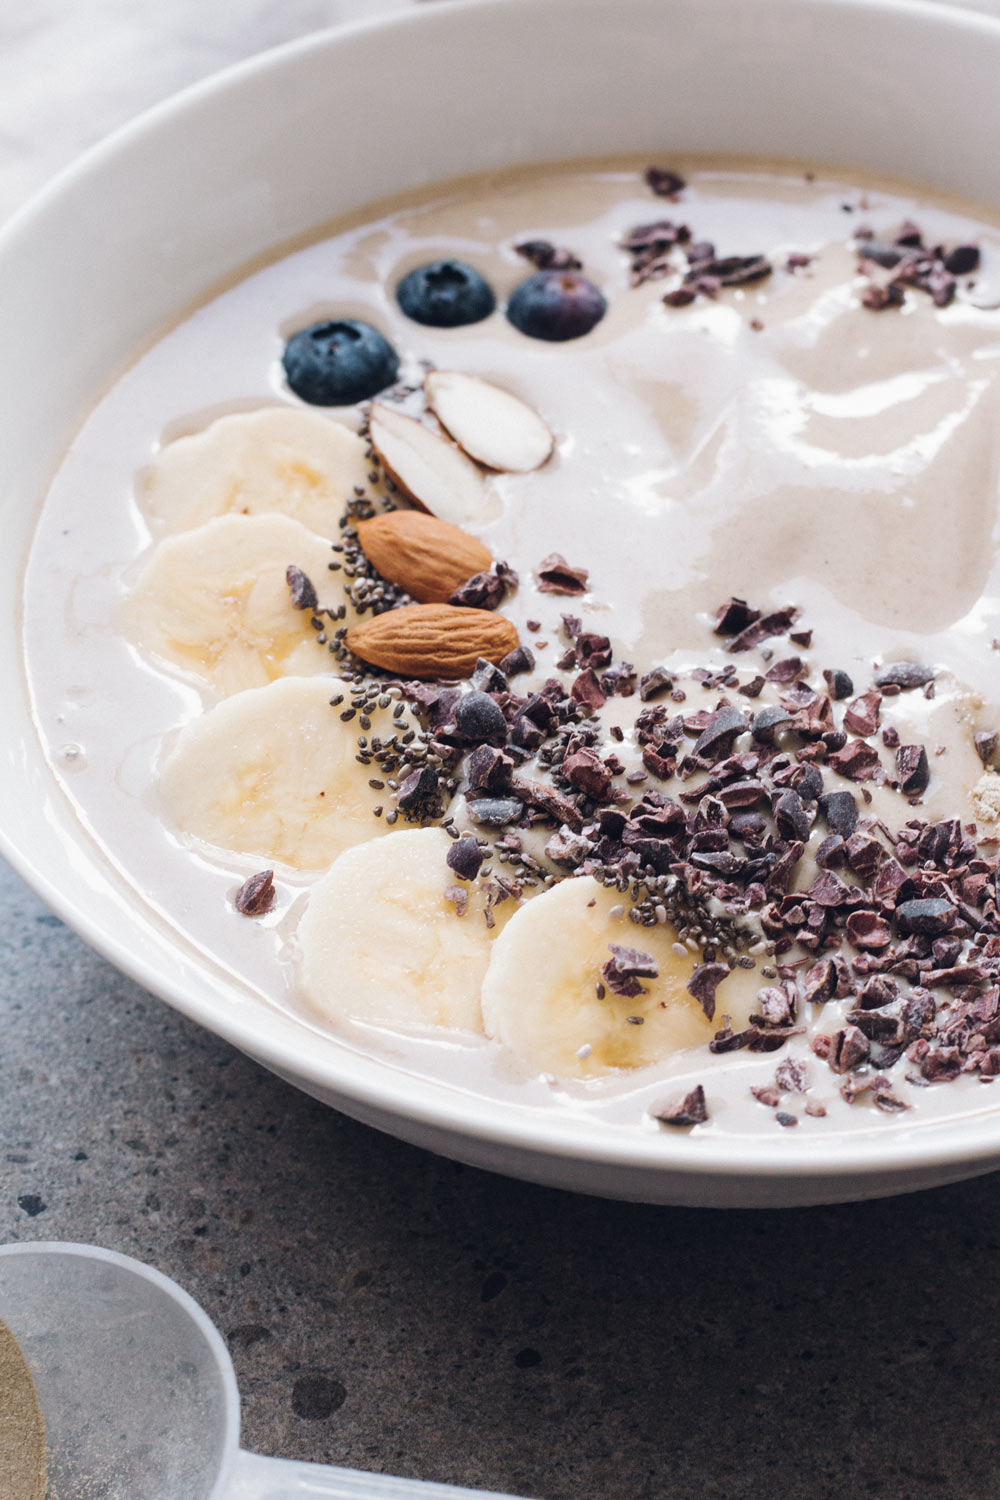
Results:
x,y
151,220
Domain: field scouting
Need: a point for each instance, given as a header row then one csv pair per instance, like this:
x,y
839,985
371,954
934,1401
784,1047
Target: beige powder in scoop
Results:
x,y
22,1431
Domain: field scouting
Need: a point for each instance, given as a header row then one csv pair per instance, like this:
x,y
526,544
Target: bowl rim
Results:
x,y
384,1091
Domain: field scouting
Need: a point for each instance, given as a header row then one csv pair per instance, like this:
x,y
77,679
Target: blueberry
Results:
x,y
556,305
339,362
445,294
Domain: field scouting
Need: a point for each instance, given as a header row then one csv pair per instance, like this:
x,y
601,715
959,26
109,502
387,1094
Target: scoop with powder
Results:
x,y
22,1431
139,1394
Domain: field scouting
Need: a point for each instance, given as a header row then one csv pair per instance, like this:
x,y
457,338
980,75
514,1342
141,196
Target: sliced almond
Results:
x,y
494,427
435,474
432,640
426,557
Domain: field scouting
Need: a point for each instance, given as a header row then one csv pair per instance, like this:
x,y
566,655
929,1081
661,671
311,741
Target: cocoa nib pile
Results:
x,y
898,925
893,264
651,248
934,270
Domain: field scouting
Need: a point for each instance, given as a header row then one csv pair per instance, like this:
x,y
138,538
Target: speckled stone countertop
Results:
x,y
392,1311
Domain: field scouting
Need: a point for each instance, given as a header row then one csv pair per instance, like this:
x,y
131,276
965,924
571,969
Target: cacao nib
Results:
x,y
741,794
731,270
866,929
840,811
256,895
881,254
703,984
626,966
734,616
830,853
904,674
481,591
848,1050
941,1065
494,812
878,297
556,576
487,678
593,650
962,260
479,720
585,771
655,682
792,1076
766,721
664,182
546,257
862,717
778,1004
912,769
419,790
888,1101
658,236
864,854
691,1110
761,629
808,782
786,670
586,690
770,1038
927,916
720,732
459,898
302,590
858,761
465,857
550,801
986,742
791,817
489,770
839,684
820,982
521,659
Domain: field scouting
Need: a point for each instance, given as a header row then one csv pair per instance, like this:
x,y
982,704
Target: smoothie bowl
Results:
x,y
510,637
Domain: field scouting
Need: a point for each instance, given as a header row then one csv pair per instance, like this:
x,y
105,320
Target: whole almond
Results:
x,y
432,640
426,557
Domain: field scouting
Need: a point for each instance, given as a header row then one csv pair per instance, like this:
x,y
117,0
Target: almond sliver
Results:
x,y
435,474
494,427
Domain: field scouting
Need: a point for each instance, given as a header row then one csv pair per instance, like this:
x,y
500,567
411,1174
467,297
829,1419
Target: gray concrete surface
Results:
x,y
392,1311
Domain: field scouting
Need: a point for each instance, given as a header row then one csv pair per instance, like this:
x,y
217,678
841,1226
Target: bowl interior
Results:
x,y
150,222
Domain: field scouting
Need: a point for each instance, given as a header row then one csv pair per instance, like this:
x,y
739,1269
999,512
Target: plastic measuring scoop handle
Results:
x,y
259,1478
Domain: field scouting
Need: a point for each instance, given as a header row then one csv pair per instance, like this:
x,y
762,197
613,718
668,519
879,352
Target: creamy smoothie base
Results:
x,y
794,440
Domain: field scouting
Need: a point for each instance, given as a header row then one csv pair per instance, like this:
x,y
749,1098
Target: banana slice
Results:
x,y
281,459
380,942
540,995
272,772
216,602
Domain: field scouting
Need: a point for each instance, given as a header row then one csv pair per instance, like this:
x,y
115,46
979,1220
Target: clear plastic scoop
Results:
x,y
139,1394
